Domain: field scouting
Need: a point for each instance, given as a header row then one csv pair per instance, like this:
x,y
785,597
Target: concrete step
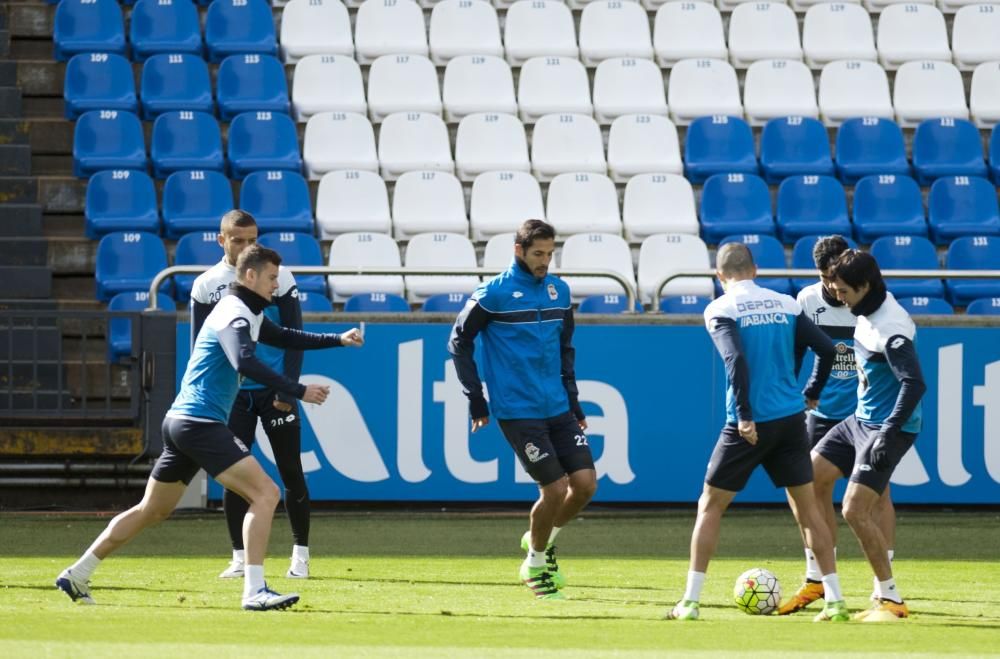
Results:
x,y
51,164
27,282
51,107
67,442
21,221
15,160
31,19
8,73
11,104
24,251
74,287
41,77
36,49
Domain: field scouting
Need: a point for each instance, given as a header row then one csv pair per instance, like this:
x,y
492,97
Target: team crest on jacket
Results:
x,y
553,293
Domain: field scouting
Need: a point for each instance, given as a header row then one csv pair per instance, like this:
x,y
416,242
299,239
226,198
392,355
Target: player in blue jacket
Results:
x,y
195,434
524,319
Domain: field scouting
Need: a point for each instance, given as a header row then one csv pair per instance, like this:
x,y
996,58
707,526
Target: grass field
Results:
x,y
419,584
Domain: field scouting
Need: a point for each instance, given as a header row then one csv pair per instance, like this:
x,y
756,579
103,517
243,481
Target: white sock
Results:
x,y
555,532
300,553
85,566
813,573
240,555
892,554
831,588
695,581
887,590
253,580
536,558
875,582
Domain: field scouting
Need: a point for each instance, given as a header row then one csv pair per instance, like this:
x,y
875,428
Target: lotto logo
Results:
x,y
240,444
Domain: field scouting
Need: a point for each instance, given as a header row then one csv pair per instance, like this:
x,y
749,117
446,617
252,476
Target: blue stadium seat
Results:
x,y
88,26
107,139
234,27
735,203
195,201
791,146
279,201
802,257
251,82
684,304
445,302
376,303
128,261
120,200
263,140
962,206
908,253
947,147
984,306
767,252
98,81
888,205
185,140
995,155
298,249
929,306
613,303
164,26
718,145
314,303
120,327
973,253
810,205
870,145
175,82
198,248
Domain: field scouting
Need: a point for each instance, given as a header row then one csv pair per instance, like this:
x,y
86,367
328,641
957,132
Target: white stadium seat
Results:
x,y
477,83
731,5
911,32
411,141
596,251
984,97
643,144
702,87
975,36
852,88
327,83
583,203
803,6
352,200
875,7
685,30
402,83
464,27
925,90
436,250
614,28
763,30
837,31
778,88
658,203
552,84
490,142
315,27
952,6
499,251
389,28
338,140
628,85
501,201
539,28
428,201
364,249
566,143
673,251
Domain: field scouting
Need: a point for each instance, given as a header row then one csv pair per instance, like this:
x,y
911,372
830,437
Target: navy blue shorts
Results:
x,y
192,445
548,448
782,449
848,446
818,426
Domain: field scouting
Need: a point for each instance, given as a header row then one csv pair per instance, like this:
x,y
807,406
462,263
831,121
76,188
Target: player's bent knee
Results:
x,y
555,490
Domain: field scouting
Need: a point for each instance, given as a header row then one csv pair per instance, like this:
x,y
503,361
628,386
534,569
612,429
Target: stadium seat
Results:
x,y
88,26
802,257
947,147
611,303
972,253
614,28
994,155
767,252
925,306
688,30
625,85
870,145
315,27
389,28
376,303
701,88
792,146
410,141
436,250
352,200
120,200
539,28
984,97
499,251
583,203
460,27
974,36
185,140
128,261
338,140
837,31
364,249
175,82
327,83
477,83
763,31
402,83
911,32
261,141
501,201
196,248
735,203
314,302
490,142
908,253
548,85
810,205
120,327
778,88
194,201
928,90
298,249
445,303
665,252
888,205
692,304
658,203
279,200
107,139
952,6
984,306
98,81
564,143
876,6
962,206
239,27
249,83
641,143
425,202
717,145
164,26
803,6
596,251
853,89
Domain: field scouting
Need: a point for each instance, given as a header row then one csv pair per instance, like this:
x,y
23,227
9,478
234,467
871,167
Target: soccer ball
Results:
x,y
757,592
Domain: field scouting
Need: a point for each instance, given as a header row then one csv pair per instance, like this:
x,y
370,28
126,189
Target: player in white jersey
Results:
x,y
195,433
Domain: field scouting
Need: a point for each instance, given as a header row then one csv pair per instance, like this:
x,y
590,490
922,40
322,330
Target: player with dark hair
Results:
x,y
195,433
524,318
757,332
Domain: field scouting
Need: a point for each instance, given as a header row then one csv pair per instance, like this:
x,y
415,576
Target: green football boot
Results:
x,y
683,610
539,581
833,612
551,564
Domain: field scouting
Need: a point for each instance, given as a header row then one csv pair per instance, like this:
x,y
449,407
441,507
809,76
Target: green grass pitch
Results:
x,y
420,584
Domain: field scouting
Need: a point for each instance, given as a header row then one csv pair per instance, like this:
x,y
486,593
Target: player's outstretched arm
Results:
x,y
462,345
239,347
286,337
808,335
